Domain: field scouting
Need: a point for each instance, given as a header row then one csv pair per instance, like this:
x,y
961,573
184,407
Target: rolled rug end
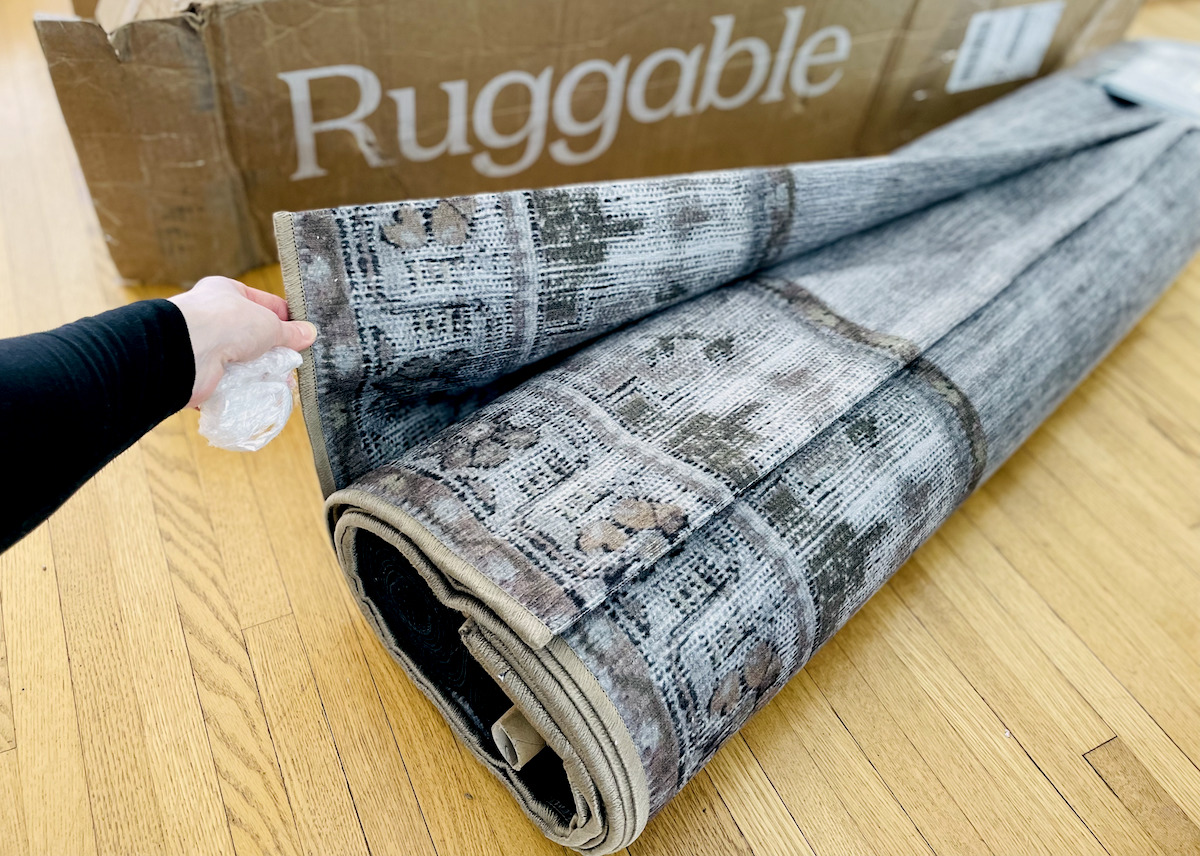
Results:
x,y
517,696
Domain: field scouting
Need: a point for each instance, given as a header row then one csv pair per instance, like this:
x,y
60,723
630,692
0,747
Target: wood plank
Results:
x,y
252,577
120,788
893,754
182,766
8,738
1006,668
1162,674
116,754
1174,333
325,615
960,746
83,283
1166,588
1042,711
780,750
1156,464
24,213
58,818
1176,20
1102,484
256,805
1056,615
753,803
694,823
12,820
884,824
992,741
1145,798
10,320
1164,399
325,816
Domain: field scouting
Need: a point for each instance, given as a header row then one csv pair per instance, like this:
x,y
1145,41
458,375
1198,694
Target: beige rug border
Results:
x,y
306,375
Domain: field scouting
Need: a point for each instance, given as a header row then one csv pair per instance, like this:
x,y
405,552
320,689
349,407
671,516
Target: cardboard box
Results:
x,y
194,122
84,8
940,69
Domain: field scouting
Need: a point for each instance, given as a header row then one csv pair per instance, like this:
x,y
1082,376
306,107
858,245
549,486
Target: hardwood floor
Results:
x,y
182,669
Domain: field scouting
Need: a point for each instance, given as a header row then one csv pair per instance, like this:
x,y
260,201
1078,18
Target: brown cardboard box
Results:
x,y
84,8
918,91
194,122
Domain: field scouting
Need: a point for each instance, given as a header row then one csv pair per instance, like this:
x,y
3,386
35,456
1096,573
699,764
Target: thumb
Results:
x,y
296,335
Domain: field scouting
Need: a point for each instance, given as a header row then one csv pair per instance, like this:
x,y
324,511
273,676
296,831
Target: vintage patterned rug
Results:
x,y
606,464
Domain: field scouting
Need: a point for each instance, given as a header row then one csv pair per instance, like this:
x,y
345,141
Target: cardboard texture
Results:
x,y
912,97
194,122
84,8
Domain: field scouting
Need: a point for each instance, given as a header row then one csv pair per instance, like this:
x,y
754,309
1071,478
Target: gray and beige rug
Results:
x,y
606,464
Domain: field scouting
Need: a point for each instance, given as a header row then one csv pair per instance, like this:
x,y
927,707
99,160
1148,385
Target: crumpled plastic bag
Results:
x,y
252,402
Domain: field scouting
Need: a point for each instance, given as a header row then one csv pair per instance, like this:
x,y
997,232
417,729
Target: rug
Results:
x,y
606,464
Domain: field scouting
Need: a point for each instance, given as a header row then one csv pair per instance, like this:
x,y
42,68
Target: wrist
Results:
x,y
204,343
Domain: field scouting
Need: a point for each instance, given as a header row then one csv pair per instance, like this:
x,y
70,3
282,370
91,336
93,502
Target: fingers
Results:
x,y
271,301
274,302
296,335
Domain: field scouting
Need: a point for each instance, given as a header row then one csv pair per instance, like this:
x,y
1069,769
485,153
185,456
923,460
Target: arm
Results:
x,y
73,398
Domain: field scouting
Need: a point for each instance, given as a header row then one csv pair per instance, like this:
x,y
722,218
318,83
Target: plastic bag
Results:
x,y
252,402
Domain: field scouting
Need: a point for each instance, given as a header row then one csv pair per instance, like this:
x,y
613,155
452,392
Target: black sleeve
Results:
x,y
74,398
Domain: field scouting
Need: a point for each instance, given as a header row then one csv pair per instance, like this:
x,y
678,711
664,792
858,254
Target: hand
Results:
x,y
232,323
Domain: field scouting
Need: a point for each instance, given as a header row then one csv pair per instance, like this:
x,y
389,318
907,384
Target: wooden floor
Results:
x,y
182,669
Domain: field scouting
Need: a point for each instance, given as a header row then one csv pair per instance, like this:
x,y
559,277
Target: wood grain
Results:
x,y
8,738
326,616
178,748
251,574
753,803
1140,792
58,818
256,805
891,752
774,740
182,668
12,810
325,815
694,823
1044,714
120,783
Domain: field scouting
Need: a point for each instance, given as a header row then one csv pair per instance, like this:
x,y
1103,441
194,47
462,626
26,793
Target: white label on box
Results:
x,y
1002,45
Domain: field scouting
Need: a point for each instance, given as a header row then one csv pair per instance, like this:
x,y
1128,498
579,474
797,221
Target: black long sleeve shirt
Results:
x,y
74,398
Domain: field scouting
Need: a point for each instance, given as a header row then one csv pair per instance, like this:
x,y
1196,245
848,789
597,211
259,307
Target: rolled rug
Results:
x,y
606,464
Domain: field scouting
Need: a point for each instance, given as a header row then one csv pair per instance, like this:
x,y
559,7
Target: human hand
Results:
x,y
232,323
